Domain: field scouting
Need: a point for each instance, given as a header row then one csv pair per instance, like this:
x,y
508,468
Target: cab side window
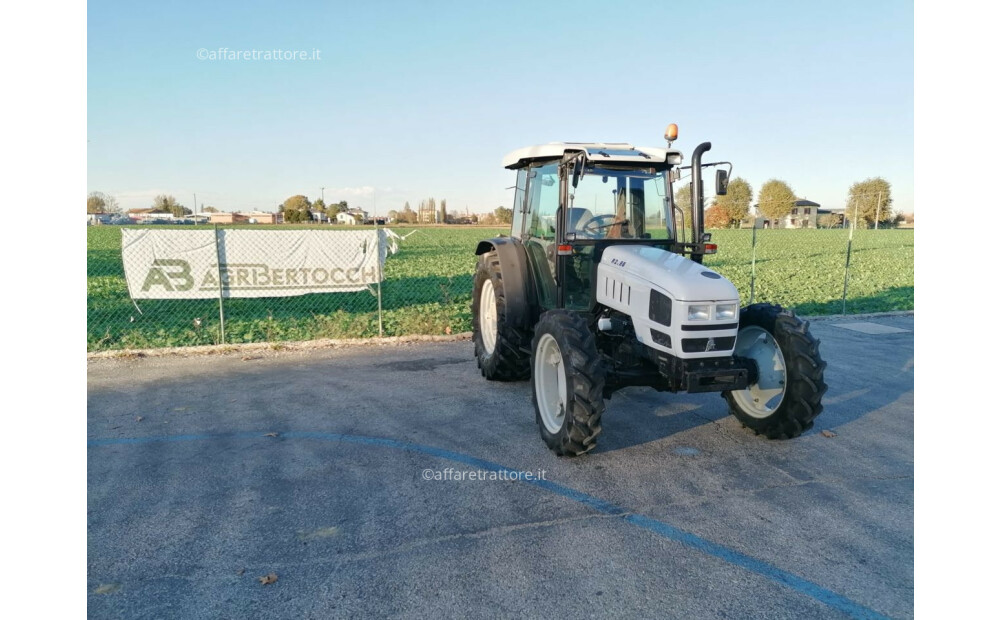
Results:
x,y
543,200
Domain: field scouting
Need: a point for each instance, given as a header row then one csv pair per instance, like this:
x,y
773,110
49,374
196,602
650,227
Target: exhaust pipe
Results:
x,y
697,199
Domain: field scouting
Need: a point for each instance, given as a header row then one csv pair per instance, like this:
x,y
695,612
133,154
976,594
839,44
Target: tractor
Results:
x,y
597,288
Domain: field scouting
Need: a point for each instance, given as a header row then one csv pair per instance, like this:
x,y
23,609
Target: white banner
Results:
x,y
185,264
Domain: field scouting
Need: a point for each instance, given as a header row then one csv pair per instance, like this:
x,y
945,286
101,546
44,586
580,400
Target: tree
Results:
x,y
717,217
210,210
407,215
165,203
776,199
296,209
99,202
393,215
735,204
444,211
869,199
504,215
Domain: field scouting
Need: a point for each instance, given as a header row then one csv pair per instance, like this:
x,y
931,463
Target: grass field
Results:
x,y
427,288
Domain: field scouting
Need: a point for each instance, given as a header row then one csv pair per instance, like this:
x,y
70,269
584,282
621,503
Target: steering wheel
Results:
x,y
593,227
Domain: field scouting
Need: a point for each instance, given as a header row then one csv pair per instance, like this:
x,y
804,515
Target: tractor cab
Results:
x,y
574,200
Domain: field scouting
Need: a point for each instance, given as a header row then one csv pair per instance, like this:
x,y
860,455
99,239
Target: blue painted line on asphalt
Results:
x,y
660,528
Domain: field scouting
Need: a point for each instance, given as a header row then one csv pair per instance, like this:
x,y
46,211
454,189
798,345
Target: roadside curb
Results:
x,y
848,317
268,347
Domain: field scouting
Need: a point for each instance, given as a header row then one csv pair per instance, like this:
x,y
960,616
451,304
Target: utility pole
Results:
x,y
878,208
195,209
322,194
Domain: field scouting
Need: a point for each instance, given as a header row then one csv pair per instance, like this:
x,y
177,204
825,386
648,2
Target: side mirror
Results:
x,y
721,182
577,168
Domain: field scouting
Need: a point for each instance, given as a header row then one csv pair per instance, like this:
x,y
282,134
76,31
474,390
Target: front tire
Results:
x,y
567,383
499,346
787,395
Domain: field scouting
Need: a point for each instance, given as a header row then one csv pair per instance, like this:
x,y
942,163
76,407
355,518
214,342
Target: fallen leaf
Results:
x,y
447,330
107,588
138,418
270,434
240,572
826,433
268,578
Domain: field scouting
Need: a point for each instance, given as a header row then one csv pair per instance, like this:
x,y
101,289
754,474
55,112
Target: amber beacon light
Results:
x,y
671,133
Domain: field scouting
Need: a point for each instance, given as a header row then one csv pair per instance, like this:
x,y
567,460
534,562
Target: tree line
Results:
x,y
868,201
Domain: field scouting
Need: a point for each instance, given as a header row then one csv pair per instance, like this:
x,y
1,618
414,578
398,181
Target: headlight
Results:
x,y
699,312
725,311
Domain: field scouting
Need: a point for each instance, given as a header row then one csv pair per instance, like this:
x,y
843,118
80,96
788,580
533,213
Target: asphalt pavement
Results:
x,y
393,481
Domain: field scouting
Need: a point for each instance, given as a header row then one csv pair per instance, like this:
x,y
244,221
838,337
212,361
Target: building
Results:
x,y
838,218
148,214
225,217
94,219
346,217
354,215
251,217
805,214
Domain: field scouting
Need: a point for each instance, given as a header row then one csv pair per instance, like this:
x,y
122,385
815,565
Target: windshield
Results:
x,y
620,204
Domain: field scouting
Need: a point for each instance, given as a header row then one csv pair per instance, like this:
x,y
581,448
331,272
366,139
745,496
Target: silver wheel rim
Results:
x,y
763,397
550,383
488,316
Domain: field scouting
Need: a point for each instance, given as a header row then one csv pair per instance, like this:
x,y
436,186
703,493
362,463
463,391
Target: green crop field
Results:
x,y
427,288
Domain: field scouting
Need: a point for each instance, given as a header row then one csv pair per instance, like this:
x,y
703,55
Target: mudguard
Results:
x,y
517,285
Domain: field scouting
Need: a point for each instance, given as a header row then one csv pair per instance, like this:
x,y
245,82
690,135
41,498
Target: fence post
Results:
x,y
847,270
753,261
218,265
378,260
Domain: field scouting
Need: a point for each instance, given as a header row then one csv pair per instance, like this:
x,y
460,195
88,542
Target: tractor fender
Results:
x,y
517,289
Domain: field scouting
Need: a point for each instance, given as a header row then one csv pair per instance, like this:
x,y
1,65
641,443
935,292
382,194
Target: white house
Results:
x,y
346,218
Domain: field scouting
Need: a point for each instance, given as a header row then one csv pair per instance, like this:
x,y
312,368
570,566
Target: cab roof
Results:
x,y
597,152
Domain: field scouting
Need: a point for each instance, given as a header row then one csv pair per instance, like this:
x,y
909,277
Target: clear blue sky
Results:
x,y
422,100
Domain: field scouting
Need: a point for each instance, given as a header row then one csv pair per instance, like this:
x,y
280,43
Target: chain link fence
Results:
x,y
426,283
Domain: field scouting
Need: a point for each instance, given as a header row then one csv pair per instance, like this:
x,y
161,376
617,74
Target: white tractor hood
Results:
x,y
682,279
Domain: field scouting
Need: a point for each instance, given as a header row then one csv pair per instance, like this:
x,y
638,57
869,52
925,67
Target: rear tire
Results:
x,y
567,383
787,395
500,347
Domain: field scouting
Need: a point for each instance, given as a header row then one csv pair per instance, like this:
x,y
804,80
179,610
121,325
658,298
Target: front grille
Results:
x,y
661,339
703,345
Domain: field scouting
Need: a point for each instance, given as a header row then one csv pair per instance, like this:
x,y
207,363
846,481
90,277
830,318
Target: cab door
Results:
x,y
539,226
